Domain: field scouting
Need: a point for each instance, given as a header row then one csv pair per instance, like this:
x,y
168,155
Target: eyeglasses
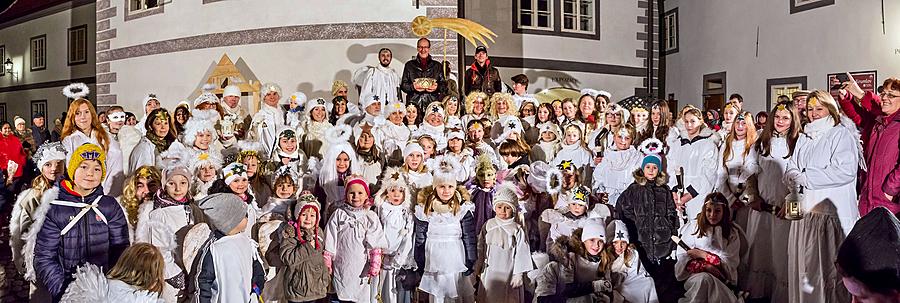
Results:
x,y
885,95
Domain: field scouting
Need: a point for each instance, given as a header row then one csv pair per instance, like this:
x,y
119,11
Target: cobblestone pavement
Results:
x,y
13,287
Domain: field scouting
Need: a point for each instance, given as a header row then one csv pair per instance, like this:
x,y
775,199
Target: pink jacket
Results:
x,y
881,138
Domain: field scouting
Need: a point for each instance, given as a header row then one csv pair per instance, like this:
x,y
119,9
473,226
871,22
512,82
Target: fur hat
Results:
x,y
434,108
207,96
455,133
506,193
48,152
87,151
368,99
593,229
76,91
205,159
234,171
395,106
201,121
231,91
270,87
618,230
393,178
579,195
298,97
445,169
223,211
312,104
412,147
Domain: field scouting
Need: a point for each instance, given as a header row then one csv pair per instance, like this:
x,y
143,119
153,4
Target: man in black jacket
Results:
x,y
39,130
422,66
481,75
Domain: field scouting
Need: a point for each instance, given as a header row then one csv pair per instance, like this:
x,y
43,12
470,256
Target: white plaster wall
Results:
x,y
190,18
17,40
720,36
307,66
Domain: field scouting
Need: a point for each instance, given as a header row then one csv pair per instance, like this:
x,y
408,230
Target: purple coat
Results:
x,y
90,241
881,136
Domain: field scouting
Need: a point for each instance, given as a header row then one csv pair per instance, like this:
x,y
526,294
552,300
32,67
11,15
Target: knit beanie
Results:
x,y
506,194
411,148
84,152
233,171
355,179
176,170
652,158
593,230
223,211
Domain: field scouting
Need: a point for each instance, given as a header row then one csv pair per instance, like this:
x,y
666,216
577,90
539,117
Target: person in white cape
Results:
x,y
381,80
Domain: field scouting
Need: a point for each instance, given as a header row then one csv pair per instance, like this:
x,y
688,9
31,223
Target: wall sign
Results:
x,y
867,80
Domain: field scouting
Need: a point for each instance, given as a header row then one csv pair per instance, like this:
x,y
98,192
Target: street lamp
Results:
x,y
8,65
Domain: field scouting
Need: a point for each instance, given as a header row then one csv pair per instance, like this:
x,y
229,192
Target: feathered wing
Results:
x,y
90,285
847,123
193,243
468,29
264,235
142,228
39,215
16,241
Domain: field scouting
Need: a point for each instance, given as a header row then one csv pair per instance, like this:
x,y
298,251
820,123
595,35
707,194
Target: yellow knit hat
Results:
x,y
86,151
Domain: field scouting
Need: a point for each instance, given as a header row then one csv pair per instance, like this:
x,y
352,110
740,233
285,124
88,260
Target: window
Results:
x,y
39,53
536,14
78,45
38,106
139,5
2,60
670,31
782,86
578,16
805,5
3,112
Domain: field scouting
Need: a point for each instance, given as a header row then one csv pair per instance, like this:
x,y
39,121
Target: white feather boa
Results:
x,y
91,286
39,216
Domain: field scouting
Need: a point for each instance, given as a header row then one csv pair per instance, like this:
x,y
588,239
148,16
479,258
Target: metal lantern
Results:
x,y
792,205
8,65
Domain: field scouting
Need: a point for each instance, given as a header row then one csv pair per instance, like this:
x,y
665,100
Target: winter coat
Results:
x,y
881,135
40,135
90,240
306,278
648,211
413,70
11,149
484,79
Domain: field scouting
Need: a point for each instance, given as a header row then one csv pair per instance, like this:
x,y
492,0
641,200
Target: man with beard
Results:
x,y
381,80
419,68
481,75
236,120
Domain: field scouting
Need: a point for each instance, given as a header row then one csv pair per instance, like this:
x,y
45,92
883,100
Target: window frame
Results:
x,y
671,14
771,84
556,22
3,111
812,4
144,11
71,44
535,12
32,53
577,16
3,60
40,104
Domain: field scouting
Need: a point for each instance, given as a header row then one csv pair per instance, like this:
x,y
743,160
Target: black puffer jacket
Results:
x,y
412,71
648,211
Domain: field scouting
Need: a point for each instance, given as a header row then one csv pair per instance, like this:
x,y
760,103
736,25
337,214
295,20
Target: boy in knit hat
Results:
x,y
76,223
503,253
228,267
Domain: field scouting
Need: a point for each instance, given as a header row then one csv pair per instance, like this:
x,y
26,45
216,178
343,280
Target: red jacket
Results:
x,y
881,138
11,150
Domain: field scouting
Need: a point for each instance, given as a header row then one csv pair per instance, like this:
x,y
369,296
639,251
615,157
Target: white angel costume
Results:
x,y
503,248
398,231
91,286
770,265
350,236
445,254
703,286
615,173
697,157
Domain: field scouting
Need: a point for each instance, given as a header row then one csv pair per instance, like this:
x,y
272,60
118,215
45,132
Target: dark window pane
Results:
x,y
568,7
543,21
543,5
525,4
525,19
568,22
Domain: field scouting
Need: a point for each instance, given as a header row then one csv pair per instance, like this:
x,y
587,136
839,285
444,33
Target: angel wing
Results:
x,y
194,241
265,236
422,26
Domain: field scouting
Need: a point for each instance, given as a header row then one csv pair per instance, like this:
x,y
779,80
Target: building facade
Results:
x,y
50,44
763,48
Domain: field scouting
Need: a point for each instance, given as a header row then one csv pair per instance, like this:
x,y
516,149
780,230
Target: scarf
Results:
x,y
500,232
161,144
816,128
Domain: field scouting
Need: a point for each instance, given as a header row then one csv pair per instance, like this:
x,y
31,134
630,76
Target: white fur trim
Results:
x,y
338,134
388,182
39,216
444,169
76,91
142,227
554,175
651,146
16,241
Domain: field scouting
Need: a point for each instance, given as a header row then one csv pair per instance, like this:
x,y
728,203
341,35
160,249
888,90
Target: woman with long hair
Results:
x,y
737,159
83,126
709,267
775,147
823,169
160,133
693,154
543,117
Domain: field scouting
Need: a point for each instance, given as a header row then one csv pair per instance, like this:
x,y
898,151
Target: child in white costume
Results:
x,y
614,173
575,215
445,237
710,265
503,253
392,203
354,240
637,286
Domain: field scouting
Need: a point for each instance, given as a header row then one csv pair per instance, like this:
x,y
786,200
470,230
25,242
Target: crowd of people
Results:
x,y
491,196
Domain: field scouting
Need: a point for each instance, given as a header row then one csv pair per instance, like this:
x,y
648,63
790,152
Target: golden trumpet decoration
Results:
x,y
422,26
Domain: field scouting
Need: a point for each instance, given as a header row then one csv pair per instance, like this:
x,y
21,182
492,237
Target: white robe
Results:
x,y
638,286
576,153
112,184
503,249
349,236
266,123
379,81
769,274
233,257
616,172
164,226
828,157
699,162
704,287
393,137
736,170
144,153
398,231
445,255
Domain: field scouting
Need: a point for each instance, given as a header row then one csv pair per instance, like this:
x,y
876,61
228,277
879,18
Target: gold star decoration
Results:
x,y
395,176
565,164
579,195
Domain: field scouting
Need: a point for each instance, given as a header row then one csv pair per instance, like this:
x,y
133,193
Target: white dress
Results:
x,y
398,231
112,184
769,274
233,257
615,173
638,286
704,287
505,253
698,158
445,255
576,153
379,81
828,157
349,236
736,171
163,227
393,137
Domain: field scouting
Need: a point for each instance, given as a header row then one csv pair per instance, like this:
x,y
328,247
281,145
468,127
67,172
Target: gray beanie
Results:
x,y
223,211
